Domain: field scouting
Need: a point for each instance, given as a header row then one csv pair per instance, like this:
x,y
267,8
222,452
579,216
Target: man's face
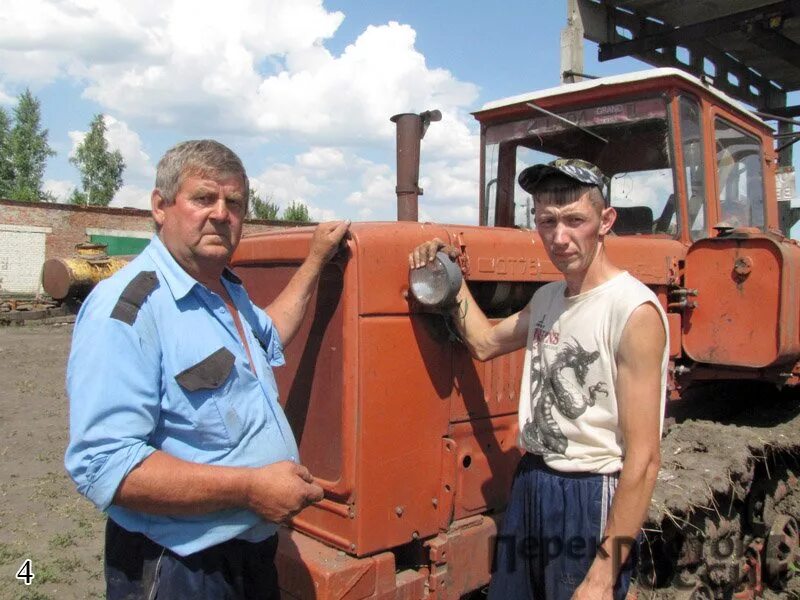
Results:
x,y
204,224
571,233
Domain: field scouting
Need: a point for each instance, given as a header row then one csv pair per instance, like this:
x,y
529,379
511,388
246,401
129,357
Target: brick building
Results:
x,y
32,232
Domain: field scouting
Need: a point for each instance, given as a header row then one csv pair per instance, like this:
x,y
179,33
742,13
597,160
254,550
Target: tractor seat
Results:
x,y
633,219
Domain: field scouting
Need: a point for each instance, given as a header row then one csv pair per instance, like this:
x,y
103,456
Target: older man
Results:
x,y
175,427
591,400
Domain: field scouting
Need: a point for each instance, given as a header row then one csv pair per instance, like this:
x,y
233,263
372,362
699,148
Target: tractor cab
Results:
x,y
683,160
692,175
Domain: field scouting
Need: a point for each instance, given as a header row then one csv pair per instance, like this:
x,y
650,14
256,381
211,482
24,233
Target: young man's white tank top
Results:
x,y
568,406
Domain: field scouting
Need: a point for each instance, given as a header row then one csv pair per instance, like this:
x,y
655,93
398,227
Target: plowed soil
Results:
x,y
718,444
716,451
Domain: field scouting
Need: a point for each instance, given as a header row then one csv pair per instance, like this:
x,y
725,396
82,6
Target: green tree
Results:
x,y
28,150
262,209
6,171
296,211
101,170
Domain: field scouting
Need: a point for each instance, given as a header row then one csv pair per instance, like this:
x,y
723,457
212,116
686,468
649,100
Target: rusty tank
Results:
x,y
75,276
414,442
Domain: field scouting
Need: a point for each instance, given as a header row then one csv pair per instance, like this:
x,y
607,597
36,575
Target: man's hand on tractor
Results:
x,y
328,239
279,491
425,253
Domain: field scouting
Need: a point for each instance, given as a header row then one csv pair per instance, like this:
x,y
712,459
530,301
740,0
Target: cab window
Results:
x,y
629,141
693,167
740,176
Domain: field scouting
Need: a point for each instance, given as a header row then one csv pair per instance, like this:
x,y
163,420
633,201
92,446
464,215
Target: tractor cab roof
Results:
x,y
604,86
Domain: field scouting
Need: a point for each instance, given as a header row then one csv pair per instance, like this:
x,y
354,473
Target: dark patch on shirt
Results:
x,y
231,276
260,341
209,373
133,297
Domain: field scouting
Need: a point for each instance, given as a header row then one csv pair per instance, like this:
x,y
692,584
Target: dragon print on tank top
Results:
x,y
562,387
568,406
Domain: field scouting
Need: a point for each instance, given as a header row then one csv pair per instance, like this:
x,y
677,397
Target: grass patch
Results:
x,y
62,540
49,487
90,528
45,573
35,595
9,553
60,570
67,567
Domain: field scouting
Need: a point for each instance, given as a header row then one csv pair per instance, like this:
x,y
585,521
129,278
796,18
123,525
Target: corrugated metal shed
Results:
x,y
749,48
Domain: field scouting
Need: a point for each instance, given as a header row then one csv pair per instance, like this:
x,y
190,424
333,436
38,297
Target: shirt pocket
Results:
x,y
208,387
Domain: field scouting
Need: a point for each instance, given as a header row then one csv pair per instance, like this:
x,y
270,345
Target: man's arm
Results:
x,y
163,484
288,309
483,339
638,390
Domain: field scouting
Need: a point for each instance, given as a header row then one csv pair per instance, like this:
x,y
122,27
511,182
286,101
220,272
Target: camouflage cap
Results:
x,y
575,168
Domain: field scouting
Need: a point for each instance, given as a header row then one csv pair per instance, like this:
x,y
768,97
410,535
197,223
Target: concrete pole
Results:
x,y
572,44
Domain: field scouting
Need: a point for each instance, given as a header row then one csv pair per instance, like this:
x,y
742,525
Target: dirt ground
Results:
x,y
42,517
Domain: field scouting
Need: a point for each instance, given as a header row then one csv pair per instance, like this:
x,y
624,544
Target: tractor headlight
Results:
x,y
436,284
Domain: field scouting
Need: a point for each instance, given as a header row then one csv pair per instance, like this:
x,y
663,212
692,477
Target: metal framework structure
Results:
x,y
749,49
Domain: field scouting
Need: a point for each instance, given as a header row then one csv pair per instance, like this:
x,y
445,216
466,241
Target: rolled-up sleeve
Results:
x,y
114,388
269,336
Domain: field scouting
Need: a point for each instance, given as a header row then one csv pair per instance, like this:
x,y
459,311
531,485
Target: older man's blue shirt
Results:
x,y
126,403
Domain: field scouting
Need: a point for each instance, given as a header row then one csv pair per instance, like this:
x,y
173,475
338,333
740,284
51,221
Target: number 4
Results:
x,y
25,573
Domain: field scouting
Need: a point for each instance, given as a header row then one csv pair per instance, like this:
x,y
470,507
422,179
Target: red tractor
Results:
x,y
415,443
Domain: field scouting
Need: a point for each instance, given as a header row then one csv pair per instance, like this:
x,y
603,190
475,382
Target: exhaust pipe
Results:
x,y
411,129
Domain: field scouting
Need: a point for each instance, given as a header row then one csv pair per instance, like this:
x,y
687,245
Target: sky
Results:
x,y
302,90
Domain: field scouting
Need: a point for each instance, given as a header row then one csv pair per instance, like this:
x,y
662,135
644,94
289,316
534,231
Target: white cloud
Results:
x,y
41,40
231,66
365,190
6,98
322,214
209,65
255,70
461,215
451,181
354,95
61,189
377,189
121,137
324,179
132,196
451,138
77,138
283,184
451,192
322,159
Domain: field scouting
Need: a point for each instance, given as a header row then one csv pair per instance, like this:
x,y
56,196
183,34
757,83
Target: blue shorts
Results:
x,y
550,533
139,569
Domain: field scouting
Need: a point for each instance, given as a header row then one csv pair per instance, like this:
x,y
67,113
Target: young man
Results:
x,y
175,427
591,400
